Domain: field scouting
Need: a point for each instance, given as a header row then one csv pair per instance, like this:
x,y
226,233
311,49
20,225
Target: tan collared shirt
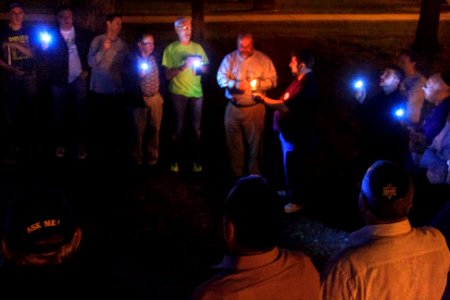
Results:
x,y
389,261
277,274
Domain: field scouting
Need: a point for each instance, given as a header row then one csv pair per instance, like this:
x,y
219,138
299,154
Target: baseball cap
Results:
x,y
13,5
386,182
38,221
182,21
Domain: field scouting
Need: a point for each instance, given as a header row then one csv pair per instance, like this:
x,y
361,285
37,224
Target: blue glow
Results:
x,y
144,66
400,112
197,62
358,84
45,37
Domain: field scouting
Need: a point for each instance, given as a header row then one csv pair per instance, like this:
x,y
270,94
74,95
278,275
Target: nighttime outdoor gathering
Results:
x,y
225,149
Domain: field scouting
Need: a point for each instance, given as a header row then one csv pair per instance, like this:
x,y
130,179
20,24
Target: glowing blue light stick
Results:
x,y
45,37
197,62
358,84
399,112
144,66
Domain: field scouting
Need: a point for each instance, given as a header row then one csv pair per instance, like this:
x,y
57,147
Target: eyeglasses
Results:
x,y
186,28
147,43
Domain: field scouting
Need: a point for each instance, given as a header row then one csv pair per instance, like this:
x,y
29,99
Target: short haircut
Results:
x,y
409,53
14,4
142,34
111,17
304,56
180,22
387,189
256,213
242,35
398,72
62,8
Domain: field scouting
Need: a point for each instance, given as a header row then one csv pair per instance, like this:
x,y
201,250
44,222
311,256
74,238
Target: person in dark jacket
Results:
x,y
382,119
68,72
294,120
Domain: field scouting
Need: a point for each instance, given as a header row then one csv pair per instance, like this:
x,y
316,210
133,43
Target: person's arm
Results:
x,y
97,51
269,76
272,103
360,94
170,73
10,68
225,78
21,48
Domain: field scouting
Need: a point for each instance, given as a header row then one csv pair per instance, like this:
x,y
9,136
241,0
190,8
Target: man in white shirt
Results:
x,y
242,72
388,259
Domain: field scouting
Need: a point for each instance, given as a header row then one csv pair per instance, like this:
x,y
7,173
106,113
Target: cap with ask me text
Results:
x,y
38,221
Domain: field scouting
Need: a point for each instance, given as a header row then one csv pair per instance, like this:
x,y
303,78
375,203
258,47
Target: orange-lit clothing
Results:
x,y
389,261
277,274
411,88
244,117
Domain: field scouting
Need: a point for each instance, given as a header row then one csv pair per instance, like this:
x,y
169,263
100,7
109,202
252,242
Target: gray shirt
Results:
x,y
106,76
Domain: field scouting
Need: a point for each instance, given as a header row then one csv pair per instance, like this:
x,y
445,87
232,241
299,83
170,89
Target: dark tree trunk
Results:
x,y
426,41
198,20
91,13
264,5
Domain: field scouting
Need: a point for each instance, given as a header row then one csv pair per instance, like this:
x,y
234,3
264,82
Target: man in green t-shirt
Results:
x,y
184,62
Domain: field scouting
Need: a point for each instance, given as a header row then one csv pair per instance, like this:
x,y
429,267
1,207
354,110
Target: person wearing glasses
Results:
x,y
145,103
184,63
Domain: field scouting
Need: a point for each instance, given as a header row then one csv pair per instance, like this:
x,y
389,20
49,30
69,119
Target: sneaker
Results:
x,y
196,167
60,152
174,167
82,154
292,208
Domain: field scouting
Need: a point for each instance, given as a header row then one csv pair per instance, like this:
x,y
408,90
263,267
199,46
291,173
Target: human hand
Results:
x,y
243,86
258,97
106,44
360,94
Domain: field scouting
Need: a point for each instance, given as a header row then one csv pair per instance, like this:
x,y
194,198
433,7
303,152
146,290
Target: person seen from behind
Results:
x,y
388,258
254,267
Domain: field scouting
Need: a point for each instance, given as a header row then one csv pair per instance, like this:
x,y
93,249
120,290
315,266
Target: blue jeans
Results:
x,y
191,108
70,111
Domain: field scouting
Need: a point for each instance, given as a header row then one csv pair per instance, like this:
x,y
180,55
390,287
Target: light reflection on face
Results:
x,y
294,66
146,45
388,78
184,32
245,46
429,89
